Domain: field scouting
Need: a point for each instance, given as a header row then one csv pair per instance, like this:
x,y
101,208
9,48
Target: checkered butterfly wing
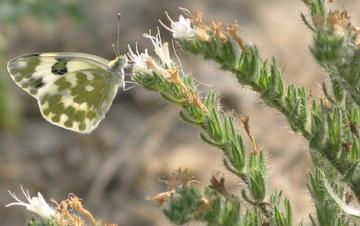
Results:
x,y
74,90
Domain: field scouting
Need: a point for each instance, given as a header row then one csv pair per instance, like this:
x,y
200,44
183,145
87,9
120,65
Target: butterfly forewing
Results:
x,y
36,72
79,100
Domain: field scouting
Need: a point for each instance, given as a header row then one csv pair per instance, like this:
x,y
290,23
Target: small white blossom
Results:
x,y
181,29
139,59
161,49
35,204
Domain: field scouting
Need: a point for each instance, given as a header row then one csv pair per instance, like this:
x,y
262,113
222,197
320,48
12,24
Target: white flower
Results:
x,y
139,59
35,204
181,29
161,49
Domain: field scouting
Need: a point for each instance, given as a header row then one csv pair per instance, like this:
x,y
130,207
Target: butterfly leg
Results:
x,y
128,88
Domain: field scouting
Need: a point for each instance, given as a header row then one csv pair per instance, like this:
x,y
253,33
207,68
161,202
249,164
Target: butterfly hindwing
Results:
x,y
79,100
36,72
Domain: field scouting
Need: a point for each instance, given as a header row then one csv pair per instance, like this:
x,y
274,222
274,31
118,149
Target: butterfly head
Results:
x,y
118,63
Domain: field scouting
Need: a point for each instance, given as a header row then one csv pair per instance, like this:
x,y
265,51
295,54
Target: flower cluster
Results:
x,y
143,62
163,66
70,211
193,27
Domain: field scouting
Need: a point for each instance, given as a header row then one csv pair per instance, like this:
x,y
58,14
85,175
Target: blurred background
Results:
x,y
117,166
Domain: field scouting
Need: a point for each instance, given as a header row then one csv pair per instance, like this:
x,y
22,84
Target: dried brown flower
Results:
x,y
340,22
245,121
178,178
161,198
232,30
217,28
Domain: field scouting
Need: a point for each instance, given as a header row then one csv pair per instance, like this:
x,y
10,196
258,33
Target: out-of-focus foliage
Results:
x,y
13,10
8,113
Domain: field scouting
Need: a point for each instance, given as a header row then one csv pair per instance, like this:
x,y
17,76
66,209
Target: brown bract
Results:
x,y
178,178
204,203
232,30
245,121
202,29
175,78
65,217
219,186
201,34
191,96
327,104
175,179
319,22
151,64
161,198
198,19
340,22
217,28
67,210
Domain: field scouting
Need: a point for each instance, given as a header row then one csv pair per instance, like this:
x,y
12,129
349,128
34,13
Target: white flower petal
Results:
x,y
181,29
161,49
35,204
139,59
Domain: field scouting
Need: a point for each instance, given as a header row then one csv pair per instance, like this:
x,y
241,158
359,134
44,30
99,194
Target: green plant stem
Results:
x,y
223,132
248,70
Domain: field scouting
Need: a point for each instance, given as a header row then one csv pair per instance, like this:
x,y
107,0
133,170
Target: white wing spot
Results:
x,y
63,119
78,65
45,105
50,115
89,76
44,68
72,79
75,125
89,88
67,101
48,78
50,89
83,106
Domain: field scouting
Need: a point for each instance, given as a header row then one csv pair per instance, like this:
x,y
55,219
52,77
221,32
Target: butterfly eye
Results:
x,y
123,61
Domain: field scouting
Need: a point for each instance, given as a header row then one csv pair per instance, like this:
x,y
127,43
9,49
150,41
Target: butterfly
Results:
x,y
73,90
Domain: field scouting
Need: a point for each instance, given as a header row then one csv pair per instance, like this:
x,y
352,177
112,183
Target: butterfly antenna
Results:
x,y
118,33
115,51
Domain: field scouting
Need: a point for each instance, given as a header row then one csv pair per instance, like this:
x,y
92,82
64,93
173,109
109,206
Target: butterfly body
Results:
x,y
73,90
